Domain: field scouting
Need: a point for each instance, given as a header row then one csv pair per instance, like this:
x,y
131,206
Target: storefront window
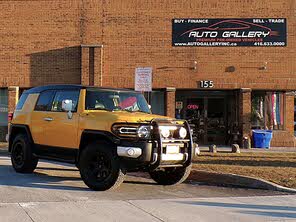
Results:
x,y
3,113
156,99
268,110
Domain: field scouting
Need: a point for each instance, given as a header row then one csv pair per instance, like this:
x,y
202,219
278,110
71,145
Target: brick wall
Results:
x,y
170,98
138,33
40,44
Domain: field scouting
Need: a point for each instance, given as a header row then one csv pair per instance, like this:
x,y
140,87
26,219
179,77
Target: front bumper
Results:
x,y
157,152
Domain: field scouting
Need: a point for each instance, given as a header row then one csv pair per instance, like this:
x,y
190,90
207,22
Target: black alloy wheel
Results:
x,y
22,158
99,167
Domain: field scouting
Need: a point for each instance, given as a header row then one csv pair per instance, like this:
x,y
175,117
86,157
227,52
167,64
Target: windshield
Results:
x,y
115,100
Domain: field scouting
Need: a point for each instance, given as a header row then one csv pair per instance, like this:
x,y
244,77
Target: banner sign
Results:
x,y
230,32
143,79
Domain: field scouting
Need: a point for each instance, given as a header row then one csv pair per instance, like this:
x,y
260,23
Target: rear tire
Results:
x,y
170,176
22,158
100,167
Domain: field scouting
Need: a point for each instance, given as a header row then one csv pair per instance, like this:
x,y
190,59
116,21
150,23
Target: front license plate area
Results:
x,y
172,149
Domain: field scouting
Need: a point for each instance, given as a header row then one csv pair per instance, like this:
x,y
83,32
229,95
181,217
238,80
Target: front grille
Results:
x,y
172,139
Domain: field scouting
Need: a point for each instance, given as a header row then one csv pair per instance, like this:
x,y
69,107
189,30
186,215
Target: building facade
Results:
x,y
101,43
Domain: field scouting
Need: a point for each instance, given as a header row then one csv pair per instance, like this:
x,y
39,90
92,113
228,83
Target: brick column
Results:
x,y
98,69
13,96
289,115
85,66
245,103
91,65
170,101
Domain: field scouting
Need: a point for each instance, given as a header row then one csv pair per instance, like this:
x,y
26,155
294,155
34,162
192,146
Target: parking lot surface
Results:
x,y
55,192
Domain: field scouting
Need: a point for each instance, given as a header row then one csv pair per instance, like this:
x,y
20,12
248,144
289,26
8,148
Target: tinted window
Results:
x,y
45,101
65,95
115,101
21,101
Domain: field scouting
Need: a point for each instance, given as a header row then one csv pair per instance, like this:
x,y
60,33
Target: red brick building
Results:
x,y
102,42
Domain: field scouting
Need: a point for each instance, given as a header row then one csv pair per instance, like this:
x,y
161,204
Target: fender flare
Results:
x,y
13,128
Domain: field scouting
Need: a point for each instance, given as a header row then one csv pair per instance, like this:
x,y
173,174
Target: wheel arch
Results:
x,y
89,136
16,129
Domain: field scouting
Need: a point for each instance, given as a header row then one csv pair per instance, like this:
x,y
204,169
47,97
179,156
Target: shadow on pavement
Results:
x,y
271,214
8,177
257,207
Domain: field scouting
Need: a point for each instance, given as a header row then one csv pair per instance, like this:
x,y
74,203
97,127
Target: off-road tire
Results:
x,y
91,172
22,158
170,176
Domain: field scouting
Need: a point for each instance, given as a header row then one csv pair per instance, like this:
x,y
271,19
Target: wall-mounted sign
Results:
x,y
230,32
143,79
206,84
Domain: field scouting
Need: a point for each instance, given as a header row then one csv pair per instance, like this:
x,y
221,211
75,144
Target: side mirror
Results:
x,y
149,106
67,105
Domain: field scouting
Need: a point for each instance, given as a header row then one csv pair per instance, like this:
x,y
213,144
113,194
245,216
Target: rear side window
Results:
x,y
44,101
21,101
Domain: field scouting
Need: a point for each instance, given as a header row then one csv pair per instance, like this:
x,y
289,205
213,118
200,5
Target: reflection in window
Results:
x,y
268,110
65,95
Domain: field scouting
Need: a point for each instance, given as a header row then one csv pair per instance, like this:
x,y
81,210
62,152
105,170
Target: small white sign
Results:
x,y
143,79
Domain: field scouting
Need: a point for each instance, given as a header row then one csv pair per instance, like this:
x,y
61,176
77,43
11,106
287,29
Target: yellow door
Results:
x,y
38,126
39,117
62,131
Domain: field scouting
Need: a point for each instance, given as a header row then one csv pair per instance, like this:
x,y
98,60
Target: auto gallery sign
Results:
x,y
230,32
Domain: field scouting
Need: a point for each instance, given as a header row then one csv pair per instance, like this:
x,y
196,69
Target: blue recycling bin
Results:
x,y
262,138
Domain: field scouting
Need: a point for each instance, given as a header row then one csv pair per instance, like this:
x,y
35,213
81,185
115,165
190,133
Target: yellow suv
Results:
x,y
105,132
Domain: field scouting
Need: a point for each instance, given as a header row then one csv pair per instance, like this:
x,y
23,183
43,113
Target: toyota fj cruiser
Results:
x,y
104,132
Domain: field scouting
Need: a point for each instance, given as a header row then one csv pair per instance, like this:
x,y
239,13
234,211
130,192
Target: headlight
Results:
x,y
144,132
165,132
182,132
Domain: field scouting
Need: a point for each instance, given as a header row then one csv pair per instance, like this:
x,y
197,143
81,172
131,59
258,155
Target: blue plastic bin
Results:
x,y
262,138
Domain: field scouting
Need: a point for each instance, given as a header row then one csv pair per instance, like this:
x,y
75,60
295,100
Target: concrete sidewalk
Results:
x,y
275,208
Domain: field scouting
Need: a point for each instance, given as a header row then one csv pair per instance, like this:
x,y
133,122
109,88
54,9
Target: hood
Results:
x,y
123,116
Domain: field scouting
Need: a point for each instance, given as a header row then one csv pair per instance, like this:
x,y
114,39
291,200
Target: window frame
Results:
x,y
26,95
264,93
36,110
61,90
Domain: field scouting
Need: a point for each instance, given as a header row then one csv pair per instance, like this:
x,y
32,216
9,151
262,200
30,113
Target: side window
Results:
x,y
44,101
21,101
65,95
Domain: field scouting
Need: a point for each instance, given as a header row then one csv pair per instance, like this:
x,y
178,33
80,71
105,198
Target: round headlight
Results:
x,y
144,132
182,132
165,132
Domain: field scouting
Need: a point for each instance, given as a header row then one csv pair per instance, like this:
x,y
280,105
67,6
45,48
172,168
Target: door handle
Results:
x,y
48,119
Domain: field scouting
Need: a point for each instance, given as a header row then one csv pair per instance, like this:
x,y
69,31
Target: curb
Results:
x,y
236,180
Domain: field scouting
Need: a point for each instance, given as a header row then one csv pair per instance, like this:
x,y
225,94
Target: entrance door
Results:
x,y
216,119
209,117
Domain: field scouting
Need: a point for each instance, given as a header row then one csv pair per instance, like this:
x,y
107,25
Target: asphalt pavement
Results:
x,y
56,193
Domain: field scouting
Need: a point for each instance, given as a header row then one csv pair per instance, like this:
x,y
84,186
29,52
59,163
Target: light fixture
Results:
x,y
230,69
263,67
194,65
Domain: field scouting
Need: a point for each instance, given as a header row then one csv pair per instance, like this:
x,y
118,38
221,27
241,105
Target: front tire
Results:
x,y
22,158
100,168
170,176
